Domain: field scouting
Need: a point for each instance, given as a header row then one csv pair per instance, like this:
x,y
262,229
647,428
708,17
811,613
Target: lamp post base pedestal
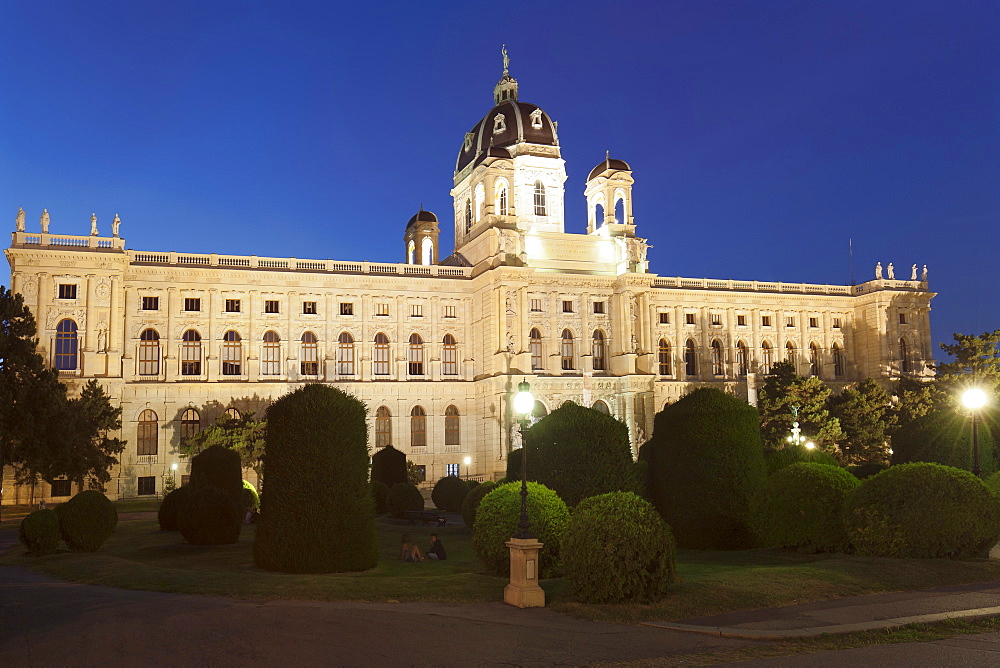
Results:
x,y
523,590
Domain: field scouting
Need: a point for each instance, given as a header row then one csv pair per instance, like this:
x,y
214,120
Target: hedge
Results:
x,y
404,496
449,493
945,437
380,496
170,508
249,497
209,516
389,466
39,532
86,520
793,454
219,466
472,500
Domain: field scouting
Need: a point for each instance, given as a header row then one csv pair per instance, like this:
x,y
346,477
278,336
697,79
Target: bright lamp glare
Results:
x,y
974,398
810,446
524,402
468,460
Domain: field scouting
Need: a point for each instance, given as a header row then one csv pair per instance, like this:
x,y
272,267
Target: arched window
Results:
x,y
309,355
599,213
66,345
449,356
690,359
480,202
149,353
411,249
452,433
418,427
535,347
567,350
383,427
426,251
191,353
501,198
813,359
539,411
233,414
190,424
838,361
766,358
380,360
540,205
742,358
415,366
663,357
345,354
620,210
602,407
904,356
146,436
718,368
468,216
790,355
599,351
270,361
232,354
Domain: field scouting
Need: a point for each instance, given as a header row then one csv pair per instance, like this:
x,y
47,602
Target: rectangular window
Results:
x,y
664,318
716,319
67,291
689,318
422,471
536,305
765,321
192,304
449,311
790,321
902,318
150,303
309,308
232,306
62,488
185,479
271,306
382,309
346,308
814,322
741,321
836,323
416,311
147,485
567,306
598,307
451,469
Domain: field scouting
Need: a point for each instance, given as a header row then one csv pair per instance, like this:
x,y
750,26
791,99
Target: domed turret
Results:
x,y
421,238
609,196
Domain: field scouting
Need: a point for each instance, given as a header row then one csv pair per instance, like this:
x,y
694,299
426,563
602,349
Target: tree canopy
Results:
x,y
866,416
976,361
782,389
243,434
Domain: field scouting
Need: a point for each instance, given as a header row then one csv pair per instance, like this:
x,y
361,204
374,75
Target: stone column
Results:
x,y
523,590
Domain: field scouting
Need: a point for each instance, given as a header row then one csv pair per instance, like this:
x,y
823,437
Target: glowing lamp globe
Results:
x,y
974,398
524,402
810,445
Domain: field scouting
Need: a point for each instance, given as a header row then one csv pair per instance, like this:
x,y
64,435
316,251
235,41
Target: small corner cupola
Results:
x,y
421,238
609,197
506,88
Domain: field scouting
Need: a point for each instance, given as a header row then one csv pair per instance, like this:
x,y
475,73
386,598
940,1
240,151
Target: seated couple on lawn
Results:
x,y
410,552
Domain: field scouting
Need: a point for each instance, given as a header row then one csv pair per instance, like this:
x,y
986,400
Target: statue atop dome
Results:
x,y
506,60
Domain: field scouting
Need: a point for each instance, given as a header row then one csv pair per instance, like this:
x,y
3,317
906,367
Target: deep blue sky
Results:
x,y
763,135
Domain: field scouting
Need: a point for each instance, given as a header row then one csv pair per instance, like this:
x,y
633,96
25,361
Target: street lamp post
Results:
x,y
974,399
524,403
523,590
796,437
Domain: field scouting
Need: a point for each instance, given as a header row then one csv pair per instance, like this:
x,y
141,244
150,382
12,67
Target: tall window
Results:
x,y
690,359
383,427
790,354
540,205
232,354
309,355
345,355
418,427
449,356
502,199
599,351
567,350
190,424
838,361
535,347
270,361
452,434
191,353
480,202
904,357
813,359
663,357
149,353
66,345
766,358
380,360
146,436
717,366
468,216
415,359
742,358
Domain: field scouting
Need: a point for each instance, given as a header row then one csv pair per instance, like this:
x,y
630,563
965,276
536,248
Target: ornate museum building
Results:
x,y
436,345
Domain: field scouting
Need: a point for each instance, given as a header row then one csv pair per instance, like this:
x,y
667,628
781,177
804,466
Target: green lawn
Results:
x,y
140,556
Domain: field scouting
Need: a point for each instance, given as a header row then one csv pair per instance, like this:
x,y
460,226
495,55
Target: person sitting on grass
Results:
x,y
436,550
409,551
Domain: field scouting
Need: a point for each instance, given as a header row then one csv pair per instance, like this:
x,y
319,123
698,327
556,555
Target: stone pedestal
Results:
x,y
523,590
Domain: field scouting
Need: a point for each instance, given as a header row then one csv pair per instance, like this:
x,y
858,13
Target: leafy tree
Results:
x,y
413,474
916,398
244,434
782,389
976,361
867,419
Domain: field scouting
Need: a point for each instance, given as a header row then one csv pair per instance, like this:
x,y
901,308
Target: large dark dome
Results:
x,y
522,122
422,217
609,165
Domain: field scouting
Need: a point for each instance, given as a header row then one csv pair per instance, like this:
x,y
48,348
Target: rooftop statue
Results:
x,y
45,221
19,221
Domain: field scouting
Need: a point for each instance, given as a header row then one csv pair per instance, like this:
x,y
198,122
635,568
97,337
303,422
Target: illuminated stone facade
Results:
x,y
436,348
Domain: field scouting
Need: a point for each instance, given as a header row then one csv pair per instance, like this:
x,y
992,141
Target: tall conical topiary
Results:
x,y
706,462
389,466
316,513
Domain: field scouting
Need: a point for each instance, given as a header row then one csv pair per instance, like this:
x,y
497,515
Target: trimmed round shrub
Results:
x,y
380,496
86,520
170,508
793,454
496,522
579,452
317,514
389,466
39,532
922,510
705,463
617,549
249,497
801,506
514,465
863,471
472,499
209,517
449,493
993,484
404,496
219,466
945,437
472,484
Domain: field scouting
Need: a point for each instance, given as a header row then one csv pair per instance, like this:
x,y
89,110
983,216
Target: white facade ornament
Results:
x,y
913,273
923,276
468,141
102,337
19,220
45,221
878,271
93,224
499,124
891,271
115,224
536,119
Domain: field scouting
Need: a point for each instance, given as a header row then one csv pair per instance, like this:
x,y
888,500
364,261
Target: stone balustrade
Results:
x,y
67,241
800,288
